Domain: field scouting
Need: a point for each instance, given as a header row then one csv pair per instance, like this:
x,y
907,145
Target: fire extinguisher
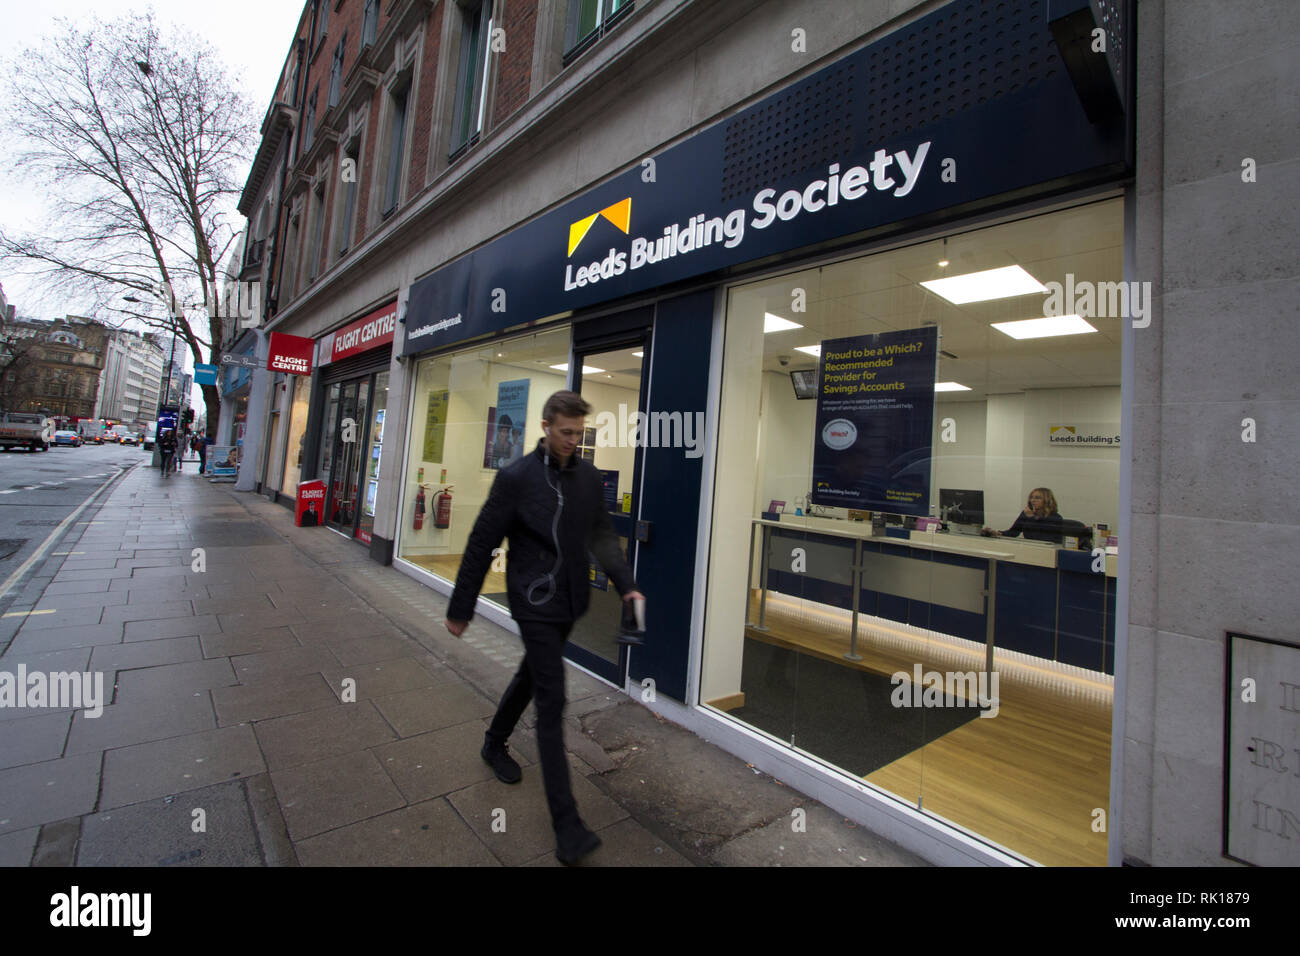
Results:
x,y
419,509
442,515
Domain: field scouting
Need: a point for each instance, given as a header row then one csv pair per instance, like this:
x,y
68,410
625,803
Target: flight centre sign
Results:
x,y
720,199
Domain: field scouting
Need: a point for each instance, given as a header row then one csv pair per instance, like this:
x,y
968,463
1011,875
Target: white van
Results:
x,y
150,435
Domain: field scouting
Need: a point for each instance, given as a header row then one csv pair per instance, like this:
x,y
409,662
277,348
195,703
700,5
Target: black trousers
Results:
x,y
541,679
166,463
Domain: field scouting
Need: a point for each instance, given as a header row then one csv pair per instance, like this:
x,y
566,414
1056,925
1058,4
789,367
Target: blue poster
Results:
x,y
875,421
512,414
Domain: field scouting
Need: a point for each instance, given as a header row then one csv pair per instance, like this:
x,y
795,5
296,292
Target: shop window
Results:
x,y
587,22
857,600
472,412
467,114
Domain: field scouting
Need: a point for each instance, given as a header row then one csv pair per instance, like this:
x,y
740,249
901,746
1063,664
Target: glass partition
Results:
x,y
952,643
473,412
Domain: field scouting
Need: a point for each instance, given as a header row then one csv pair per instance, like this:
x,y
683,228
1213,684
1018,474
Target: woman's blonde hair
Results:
x,y
1049,499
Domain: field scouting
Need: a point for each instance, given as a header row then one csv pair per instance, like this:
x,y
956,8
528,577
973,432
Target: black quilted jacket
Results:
x,y
522,506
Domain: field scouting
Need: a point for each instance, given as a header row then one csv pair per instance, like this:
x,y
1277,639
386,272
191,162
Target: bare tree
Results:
x,y
141,144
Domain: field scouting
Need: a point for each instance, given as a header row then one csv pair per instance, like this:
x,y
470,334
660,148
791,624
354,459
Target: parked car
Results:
x,y
30,430
67,438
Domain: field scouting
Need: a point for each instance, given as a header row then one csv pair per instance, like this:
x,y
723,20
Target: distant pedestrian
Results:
x,y
203,453
167,450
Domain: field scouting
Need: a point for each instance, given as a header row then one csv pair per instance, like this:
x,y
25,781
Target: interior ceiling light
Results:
x,y
639,354
774,323
950,387
813,350
1044,327
943,263
586,369
982,286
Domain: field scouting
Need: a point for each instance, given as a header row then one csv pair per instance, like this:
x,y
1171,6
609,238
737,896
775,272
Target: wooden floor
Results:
x,y
1029,779
447,565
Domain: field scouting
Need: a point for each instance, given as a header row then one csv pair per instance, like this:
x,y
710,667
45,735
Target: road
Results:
x,y
39,489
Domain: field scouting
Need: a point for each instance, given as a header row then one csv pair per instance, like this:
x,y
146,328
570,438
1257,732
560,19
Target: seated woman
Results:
x,y
1040,521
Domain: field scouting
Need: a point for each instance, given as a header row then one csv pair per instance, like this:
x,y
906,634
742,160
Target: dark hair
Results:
x,y
568,404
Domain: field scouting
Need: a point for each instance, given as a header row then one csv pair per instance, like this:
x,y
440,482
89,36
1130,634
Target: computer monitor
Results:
x,y
962,506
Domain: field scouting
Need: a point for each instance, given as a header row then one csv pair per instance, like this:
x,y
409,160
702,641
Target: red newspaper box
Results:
x,y
311,504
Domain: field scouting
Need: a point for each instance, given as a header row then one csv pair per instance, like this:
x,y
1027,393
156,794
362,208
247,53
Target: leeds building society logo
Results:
x,y
620,214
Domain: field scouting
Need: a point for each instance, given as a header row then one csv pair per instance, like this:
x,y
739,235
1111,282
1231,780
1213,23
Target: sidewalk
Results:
x,y
228,740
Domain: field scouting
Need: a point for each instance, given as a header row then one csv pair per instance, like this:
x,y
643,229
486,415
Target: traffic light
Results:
x,y
189,416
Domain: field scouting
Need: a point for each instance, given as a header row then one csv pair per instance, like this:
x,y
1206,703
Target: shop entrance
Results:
x,y
351,445
610,376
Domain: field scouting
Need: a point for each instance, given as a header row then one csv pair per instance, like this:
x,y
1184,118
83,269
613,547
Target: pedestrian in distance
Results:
x,y
550,504
167,450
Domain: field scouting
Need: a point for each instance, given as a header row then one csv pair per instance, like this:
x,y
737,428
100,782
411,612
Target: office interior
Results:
x,y
784,650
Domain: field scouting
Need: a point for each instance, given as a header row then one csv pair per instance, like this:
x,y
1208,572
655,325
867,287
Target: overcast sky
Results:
x,y
252,36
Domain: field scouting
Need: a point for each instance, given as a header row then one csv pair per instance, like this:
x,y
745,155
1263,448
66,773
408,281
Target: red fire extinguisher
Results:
x,y
442,515
419,509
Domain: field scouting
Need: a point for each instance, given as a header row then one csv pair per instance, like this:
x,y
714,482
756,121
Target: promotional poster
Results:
x,y
512,412
875,415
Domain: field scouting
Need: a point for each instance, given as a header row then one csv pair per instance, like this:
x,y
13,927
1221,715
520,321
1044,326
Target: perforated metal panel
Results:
x,y
968,53
799,130
1109,14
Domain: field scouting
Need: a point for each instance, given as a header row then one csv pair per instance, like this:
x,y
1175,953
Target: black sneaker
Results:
x,y
572,844
502,764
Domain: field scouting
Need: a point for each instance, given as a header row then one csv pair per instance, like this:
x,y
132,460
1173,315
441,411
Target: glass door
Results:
x,y
374,450
348,440
611,380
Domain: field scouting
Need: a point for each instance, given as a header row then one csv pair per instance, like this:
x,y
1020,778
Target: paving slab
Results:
x,y
177,679
436,763
126,613
381,679
47,618
328,732
161,832
121,657
57,844
140,720
521,809
75,587
427,834
171,627
92,599
290,695
59,638
334,792
275,665
33,739
43,792
424,709
177,764
377,647
16,848
250,642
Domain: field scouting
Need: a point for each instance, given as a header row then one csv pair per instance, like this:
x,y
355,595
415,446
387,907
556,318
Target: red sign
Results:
x,y
311,504
290,353
368,332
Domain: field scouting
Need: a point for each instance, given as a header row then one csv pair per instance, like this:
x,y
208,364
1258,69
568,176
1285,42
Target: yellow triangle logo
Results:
x,y
620,214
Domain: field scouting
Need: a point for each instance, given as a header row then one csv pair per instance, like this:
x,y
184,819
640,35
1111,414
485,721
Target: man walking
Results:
x,y
166,449
550,505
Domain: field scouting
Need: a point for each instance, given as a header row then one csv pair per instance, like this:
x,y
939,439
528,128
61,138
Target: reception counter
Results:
x,y
1047,601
